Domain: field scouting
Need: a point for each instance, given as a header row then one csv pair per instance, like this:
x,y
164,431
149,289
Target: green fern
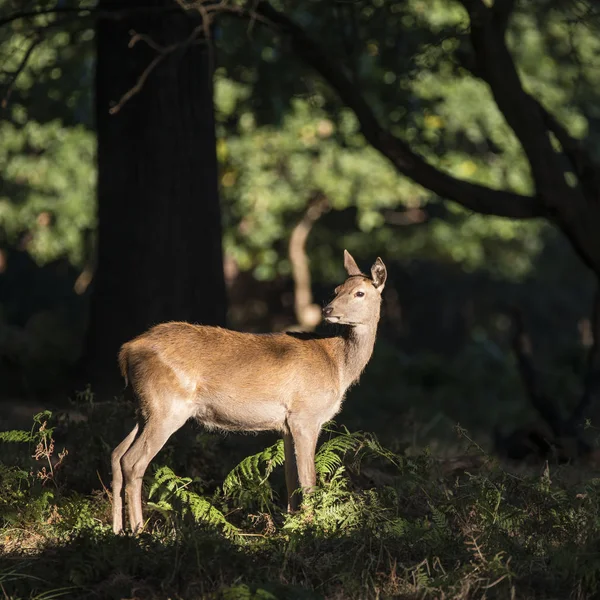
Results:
x,y
330,455
38,430
334,510
329,510
16,436
395,527
363,446
168,485
440,531
248,482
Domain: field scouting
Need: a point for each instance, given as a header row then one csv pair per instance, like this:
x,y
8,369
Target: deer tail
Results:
x,y
124,362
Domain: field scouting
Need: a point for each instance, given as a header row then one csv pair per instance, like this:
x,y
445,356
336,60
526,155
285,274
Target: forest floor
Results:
x,y
384,523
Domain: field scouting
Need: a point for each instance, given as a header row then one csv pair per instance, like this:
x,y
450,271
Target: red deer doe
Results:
x,y
287,382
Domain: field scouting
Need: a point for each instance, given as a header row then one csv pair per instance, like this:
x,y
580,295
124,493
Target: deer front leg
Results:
x,y
291,472
305,436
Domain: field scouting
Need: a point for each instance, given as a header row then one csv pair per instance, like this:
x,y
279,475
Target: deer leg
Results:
x,y
291,472
305,442
117,478
154,436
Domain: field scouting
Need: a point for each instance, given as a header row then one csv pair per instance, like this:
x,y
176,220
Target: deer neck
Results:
x,y
357,347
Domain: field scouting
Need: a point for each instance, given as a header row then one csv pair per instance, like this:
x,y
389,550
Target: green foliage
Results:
x,y
248,482
16,435
268,174
167,486
243,592
379,524
331,454
405,58
47,151
25,496
283,136
49,177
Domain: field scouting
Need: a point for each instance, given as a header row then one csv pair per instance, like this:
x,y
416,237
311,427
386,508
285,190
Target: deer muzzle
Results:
x,y
328,316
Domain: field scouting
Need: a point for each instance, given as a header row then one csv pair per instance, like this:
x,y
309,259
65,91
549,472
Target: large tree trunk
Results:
x,y
159,227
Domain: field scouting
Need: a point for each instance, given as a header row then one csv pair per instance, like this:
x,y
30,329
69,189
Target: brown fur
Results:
x,y
292,383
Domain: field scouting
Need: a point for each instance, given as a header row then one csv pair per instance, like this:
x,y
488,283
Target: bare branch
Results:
x,y
202,31
142,37
137,88
163,52
472,196
68,14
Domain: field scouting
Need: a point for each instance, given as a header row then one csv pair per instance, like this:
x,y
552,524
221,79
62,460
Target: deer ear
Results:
x,y
350,264
379,274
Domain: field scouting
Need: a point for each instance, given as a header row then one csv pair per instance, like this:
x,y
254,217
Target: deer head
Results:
x,y
358,299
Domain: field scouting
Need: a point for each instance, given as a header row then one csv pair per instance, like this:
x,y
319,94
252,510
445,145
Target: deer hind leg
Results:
x,y
291,472
117,478
305,435
157,430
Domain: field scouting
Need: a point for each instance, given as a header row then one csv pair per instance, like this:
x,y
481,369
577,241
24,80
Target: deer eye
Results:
x,y
359,294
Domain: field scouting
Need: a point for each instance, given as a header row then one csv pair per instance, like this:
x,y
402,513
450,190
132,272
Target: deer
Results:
x,y
292,383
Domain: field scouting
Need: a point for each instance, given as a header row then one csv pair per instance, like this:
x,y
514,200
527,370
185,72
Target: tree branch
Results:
x,y
494,64
206,10
308,314
162,53
22,64
587,171
584,166
569,207
475,197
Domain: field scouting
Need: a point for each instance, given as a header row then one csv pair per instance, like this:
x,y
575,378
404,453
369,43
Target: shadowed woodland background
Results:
x,y
112,220
203,161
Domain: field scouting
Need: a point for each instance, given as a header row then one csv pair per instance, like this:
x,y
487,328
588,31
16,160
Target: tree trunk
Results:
x,y
159,224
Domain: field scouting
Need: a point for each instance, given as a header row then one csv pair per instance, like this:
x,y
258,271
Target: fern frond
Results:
x,y
248,481
16,436
440,521
164,477
162,506
330,454
202,510
168,485
362,445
